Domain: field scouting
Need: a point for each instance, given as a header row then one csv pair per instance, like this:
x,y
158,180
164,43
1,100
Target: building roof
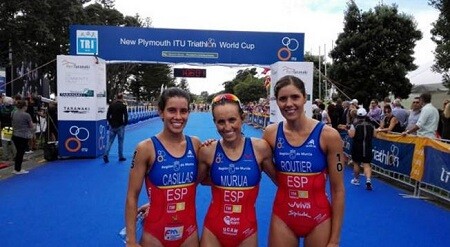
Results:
x,y
430,88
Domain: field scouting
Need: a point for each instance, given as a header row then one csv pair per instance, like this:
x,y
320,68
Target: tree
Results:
x,y
37,31
147,80
240,76
183,84
374,53
250,89
441,36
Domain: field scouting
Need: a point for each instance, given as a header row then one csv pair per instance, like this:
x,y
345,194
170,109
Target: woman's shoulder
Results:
x,y
273,127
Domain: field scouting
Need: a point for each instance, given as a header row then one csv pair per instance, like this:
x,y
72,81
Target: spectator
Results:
x,y
414,115
428,120
5,121
386,101
375,113
31,109
344,119
52,112
23,131
336,113
317,114
441,115
355,103
362,133
41,126
446,123
400,113
389,123
117,116
325,118
353,108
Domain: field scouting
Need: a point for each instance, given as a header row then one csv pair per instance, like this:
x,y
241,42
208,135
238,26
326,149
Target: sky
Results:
x,y
320,20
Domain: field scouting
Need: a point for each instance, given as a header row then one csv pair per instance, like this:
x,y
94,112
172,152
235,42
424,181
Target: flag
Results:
x,y
267,81
162,89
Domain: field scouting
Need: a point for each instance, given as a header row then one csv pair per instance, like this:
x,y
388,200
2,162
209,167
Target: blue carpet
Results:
x,y
81,202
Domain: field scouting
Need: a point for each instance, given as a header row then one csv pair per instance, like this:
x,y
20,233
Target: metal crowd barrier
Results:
x,y
257,120
420,163
140,113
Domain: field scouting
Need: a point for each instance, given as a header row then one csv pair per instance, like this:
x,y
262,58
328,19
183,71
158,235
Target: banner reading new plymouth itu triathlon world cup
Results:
x,y
171,46
81,106
302,70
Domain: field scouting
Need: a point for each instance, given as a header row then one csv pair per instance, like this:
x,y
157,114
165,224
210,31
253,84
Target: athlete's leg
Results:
x,y
191,241
320,235
209,239
367,170
368,173
280,234
356,169
251,241
148,240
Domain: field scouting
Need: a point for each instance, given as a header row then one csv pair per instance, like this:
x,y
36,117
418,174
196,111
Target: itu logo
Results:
x,y
289,45
87,42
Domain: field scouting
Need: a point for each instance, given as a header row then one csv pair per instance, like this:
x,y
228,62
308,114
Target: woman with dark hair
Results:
x,y
389,123
23,131
232,167
306,153
446,123
167,163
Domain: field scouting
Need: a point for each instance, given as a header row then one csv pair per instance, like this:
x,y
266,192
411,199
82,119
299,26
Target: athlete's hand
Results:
x,y
143,210
208,142
332,245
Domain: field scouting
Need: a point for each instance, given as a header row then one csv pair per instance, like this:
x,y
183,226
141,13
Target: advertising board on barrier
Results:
x,y
302,70
437,168
393,156
81,105
114,43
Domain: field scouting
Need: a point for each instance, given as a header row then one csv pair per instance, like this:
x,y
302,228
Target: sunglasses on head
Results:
x,y
226,97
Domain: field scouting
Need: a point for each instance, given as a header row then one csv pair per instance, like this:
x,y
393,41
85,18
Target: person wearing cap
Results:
x,y
362,133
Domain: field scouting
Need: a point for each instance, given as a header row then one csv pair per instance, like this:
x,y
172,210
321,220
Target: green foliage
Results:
x,y
183,84
37,31
441,36
250,89
148,79
241,75
374,53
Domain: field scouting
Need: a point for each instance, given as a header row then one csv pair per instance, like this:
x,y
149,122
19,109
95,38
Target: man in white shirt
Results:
x,y
428,119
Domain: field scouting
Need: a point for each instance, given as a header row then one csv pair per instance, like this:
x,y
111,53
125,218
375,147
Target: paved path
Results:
x,y
31,161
